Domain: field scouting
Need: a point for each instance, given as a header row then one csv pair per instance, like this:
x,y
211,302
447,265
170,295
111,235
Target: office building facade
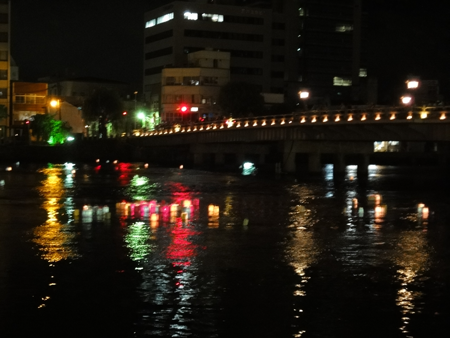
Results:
x,y
281,46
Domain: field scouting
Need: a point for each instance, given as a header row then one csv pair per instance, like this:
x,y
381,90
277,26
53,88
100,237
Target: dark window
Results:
x,y
277,74
4,18
3,74
278,25
277,42
3,55
3,93
159,36
277,58
158,53
3,37
243,19
223,35
152,71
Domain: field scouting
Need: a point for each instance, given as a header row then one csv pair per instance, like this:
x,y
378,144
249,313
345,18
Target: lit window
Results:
x,y
301,12
190,16
339,81
150,23
164,18
212,17
362,72
344,28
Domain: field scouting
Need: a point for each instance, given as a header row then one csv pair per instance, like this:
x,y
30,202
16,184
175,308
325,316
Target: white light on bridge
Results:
x,y
423,114
313,119
378,117
392,116
303,120
325,118
350,118
443,117
263,123
337,119
255,124
363,117
246,124
410,115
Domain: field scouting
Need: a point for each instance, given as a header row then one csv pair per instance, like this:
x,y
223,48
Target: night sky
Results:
x,y
104,39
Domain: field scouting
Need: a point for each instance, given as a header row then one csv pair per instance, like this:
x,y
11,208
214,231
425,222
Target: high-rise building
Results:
x,y
5,58
282,46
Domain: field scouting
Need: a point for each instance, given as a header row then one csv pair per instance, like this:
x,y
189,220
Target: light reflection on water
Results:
x,y
215,255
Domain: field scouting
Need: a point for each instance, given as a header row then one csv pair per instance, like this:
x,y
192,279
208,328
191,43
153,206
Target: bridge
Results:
x,y
286,142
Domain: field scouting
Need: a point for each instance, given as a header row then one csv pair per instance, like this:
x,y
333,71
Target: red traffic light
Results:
x,y
124,113
184,109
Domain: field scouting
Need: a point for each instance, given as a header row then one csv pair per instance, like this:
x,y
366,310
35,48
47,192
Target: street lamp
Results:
x,y
407,99
56,104
304,95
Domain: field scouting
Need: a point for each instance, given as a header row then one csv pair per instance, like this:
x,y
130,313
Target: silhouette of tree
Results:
x,y
103,105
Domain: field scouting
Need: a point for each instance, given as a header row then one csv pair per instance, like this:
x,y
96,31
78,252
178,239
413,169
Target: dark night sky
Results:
x,y
104,38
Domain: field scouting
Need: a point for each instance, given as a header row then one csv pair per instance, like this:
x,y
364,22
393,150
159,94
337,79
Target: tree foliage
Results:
x,y
240,99
44,127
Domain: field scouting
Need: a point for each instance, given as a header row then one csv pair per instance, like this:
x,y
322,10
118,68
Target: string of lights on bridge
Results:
x,y
394,115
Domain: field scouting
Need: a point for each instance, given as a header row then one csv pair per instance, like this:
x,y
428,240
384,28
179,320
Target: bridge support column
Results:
x,y
289,162
240,157
219,158
363,164
314,164
198,158
339,163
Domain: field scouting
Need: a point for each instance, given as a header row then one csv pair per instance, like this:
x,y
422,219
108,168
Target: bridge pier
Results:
x,y
339,163
314,163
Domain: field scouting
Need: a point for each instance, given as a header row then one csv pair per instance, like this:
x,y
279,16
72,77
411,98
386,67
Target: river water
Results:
x,y
131,250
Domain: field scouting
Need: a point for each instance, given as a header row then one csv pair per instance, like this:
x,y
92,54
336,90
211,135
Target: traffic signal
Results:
x,y
183,108
124,113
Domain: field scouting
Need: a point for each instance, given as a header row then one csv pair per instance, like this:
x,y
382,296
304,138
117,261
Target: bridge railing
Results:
x,y
339,116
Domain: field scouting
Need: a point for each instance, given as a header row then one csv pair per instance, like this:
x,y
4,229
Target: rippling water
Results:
x,y
129,250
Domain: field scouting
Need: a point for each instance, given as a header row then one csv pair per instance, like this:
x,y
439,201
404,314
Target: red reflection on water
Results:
x,y
125,171
182,250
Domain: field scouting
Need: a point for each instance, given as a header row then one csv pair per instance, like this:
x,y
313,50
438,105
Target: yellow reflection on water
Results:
x,y
55,242
413,260
303,250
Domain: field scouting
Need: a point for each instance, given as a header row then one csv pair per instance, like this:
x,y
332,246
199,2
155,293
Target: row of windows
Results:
x,y
196,99
153,70
159,20
223,18
223,35
246,71
30,99
191,80
159,36
159,53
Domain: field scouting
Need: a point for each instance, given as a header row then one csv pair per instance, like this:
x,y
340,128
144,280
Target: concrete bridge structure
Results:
x,y
309,139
